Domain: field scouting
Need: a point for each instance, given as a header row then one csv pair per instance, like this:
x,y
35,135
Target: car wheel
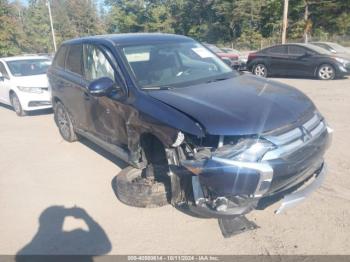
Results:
x,y
133,188
260,70
64,123
16,104
326,72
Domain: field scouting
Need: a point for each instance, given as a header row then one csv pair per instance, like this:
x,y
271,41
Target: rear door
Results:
x,y
300,61
74,90
278,59
4,84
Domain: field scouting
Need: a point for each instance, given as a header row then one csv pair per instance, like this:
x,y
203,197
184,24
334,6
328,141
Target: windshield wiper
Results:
x,y
157,87
217,79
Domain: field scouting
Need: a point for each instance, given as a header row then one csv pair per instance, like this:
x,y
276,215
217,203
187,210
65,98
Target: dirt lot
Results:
x,y
44,177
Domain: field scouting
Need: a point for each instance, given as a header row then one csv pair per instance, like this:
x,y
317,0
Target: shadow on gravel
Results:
x,y
53,243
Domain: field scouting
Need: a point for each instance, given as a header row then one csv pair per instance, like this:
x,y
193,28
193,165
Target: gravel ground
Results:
x,y
56,197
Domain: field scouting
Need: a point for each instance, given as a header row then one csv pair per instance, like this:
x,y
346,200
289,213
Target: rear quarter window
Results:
x,y
60,57
74,59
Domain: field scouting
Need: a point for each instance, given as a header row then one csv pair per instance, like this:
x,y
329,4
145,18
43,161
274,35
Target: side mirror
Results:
x,y
101,86
2,78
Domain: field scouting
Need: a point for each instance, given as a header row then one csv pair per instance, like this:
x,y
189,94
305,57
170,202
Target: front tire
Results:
x,y
16,104
134,189
326,72
260,70
64,123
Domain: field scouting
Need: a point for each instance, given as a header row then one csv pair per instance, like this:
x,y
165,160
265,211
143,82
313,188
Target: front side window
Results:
x,y
296,50
3,70
174,64
73,60
96,64
28,67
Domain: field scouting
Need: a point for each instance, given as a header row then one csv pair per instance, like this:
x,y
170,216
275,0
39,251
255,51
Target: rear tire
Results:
x,y
326,72
134,189
64,123
260,70
16,104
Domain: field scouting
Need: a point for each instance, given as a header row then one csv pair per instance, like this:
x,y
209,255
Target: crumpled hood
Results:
x,y
242,105
32,81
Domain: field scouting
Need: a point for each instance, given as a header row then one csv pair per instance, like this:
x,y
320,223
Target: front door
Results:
x,y
107,113
299,61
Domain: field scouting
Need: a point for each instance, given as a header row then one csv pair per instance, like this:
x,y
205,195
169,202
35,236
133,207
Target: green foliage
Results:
x,y
247,24
11,37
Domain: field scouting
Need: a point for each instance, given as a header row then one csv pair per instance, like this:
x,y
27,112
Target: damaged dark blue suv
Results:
x,y
197,133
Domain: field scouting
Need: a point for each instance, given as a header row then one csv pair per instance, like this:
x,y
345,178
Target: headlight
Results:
x,y
342,60
36,90
246,150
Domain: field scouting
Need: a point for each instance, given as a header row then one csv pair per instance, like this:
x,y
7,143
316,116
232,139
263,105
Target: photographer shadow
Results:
x,y
53,243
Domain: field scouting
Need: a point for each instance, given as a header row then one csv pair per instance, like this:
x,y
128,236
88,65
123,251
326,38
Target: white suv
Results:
x,y
23,83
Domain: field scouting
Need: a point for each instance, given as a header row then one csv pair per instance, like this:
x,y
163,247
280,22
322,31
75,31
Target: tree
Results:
x,y
37,27
11,36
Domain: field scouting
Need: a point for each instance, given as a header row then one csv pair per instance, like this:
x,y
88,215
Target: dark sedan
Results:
x,y
302,60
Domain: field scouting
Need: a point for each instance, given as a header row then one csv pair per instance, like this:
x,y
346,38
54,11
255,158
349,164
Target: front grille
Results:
x,y
291,141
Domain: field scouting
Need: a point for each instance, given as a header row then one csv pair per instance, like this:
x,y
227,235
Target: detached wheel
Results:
x,y
64,123
134,188
260,70
326,72
16,104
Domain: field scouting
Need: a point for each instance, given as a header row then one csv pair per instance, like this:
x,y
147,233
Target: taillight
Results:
x,y
252,56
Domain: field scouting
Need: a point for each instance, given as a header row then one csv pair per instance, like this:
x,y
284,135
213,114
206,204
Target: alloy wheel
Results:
x,y
63,122
326,72
16,104
260,70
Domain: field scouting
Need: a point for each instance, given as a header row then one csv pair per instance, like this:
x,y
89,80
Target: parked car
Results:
x,y
232,59
23,83
197,133
304,60
242,59
334,48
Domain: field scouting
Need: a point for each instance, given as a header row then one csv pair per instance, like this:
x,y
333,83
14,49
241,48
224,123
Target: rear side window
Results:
x,y
281,49
296,50
73,60
60,57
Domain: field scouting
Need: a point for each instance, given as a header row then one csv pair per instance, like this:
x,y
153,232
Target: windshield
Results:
x,y
28,67
318,49
174,64
213,48
338,48
230,51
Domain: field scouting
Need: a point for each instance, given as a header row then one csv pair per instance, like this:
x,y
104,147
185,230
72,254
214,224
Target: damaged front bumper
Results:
x,y
227,188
